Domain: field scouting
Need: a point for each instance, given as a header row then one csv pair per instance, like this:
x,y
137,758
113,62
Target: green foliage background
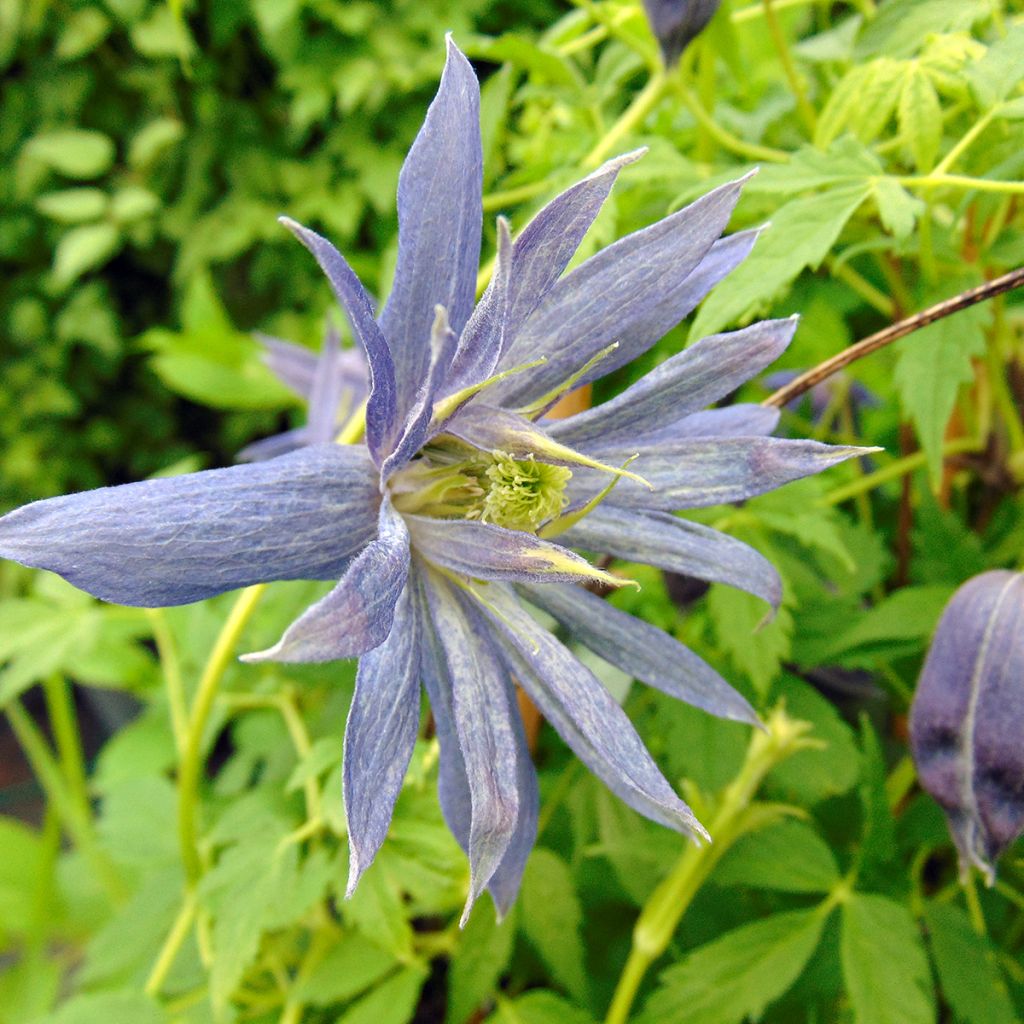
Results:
x,y
145,151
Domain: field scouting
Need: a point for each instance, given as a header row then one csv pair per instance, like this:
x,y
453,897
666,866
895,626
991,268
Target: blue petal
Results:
x,y
678,545
683,384
741,420
483,711
379,736
357,615
452,783
484,551
276,445
584,715
381,410
418,425
641,650
185,538
440,217
696,472
632,292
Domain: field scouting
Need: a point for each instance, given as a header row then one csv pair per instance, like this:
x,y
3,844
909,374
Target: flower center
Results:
x,y
455,482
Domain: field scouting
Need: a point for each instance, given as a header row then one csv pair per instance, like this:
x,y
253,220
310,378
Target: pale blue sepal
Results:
x,y
684,383
356,616
631,292
585,715
185,538
697,472
678,545
380,734
484,551
452,784
381,407
440,218
482,714
740,420
641,650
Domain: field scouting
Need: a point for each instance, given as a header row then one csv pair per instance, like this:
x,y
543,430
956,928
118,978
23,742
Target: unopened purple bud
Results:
x,y
676,23
967,719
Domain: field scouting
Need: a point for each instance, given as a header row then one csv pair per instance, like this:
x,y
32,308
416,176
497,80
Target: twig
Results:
x,y
886,336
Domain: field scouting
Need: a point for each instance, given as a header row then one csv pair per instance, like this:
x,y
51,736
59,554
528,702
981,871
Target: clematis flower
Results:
x,y
967,716
464,503
333,384
676,23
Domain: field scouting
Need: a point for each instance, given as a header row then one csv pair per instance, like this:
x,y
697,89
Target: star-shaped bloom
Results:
x,y
464,502
333,384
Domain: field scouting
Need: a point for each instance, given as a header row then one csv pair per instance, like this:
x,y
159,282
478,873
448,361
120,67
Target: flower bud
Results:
x,y
676,23
967,719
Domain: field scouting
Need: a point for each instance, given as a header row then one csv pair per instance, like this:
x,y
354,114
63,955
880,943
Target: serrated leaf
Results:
x,y
552,919
878,839
884,963
350,968
539,1007
932,365
862,102
483,953
900,28
845,160
789,856
965,961
756,646
898,210
801,235
919,116
734,978
996,74
392,1002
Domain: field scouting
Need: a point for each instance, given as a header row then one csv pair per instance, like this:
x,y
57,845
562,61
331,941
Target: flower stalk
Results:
x,y
735,816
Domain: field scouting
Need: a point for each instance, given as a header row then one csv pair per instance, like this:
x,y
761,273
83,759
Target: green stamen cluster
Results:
x,y
459,483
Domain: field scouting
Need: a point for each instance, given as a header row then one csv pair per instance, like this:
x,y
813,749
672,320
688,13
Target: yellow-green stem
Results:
x,y
190,767
742,148
803,104
669,902
172,944
646,100
170,664
60,707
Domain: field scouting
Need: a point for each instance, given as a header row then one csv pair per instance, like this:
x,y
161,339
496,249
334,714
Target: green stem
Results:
x,y
76,820
64,723
966,142
172,945
894,471
191,759
513,196
669,902
960,181
865,289
167,652
747,150
644,102
803,104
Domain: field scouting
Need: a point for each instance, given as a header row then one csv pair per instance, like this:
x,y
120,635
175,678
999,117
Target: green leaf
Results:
x,y
552,919
884,963
919,116
83,249
845,160
538,1007
755,644
73,152
789,856
931,366
524,53
733,978
898,210
23,892
106,1008
965,961
901,27
878,842
349,969
801,235
83,31
862,102
153,140
392,1002
1000,70
483,953
132,203
73,205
